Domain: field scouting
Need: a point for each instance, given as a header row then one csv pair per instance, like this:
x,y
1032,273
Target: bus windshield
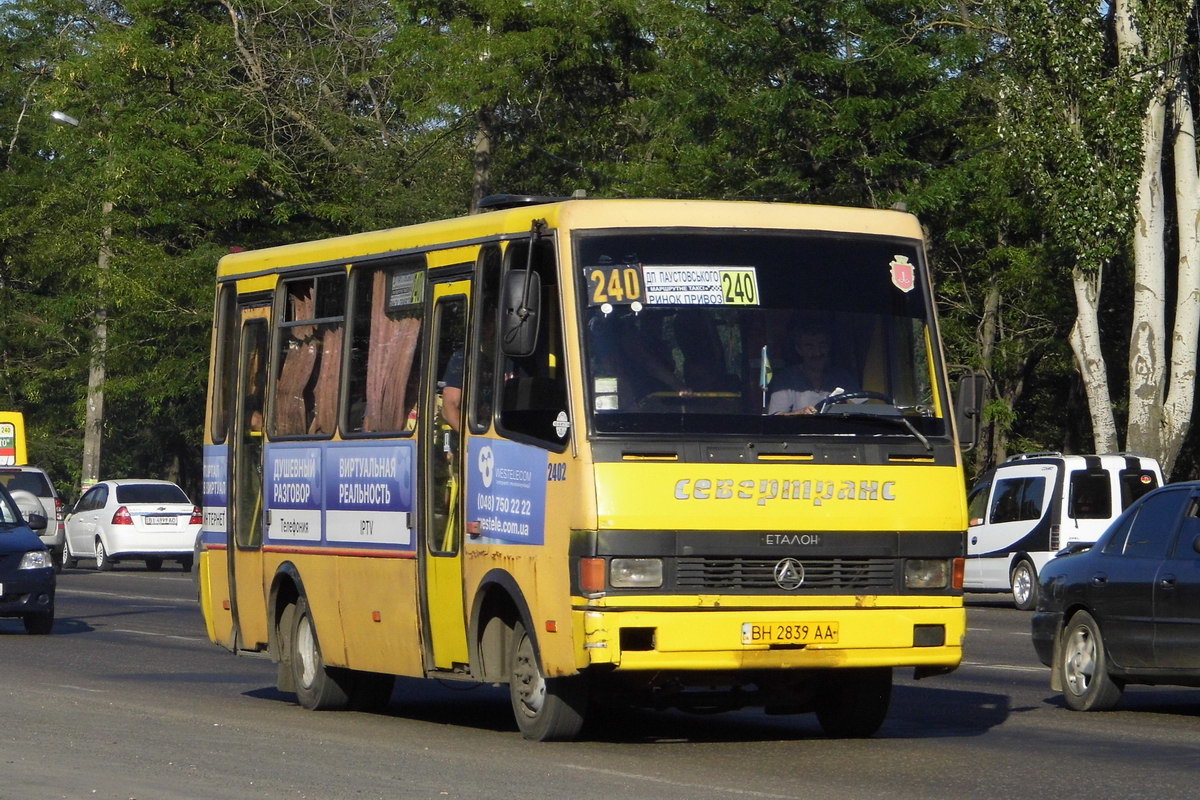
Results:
x,y
756,333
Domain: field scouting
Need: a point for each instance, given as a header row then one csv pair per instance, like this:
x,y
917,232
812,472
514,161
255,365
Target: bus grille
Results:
x,y
824,574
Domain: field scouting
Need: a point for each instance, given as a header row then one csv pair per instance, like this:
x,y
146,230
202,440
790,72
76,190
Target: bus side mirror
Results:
x,y
968,408
520,307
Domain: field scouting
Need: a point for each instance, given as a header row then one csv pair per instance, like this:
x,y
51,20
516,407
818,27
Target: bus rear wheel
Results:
x,y
546,709
853,703
318,687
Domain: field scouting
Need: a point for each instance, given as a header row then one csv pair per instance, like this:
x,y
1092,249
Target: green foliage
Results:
x,y
1071,115
208,126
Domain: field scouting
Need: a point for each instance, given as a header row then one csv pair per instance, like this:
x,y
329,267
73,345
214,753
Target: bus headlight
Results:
x,y
926,573
635,573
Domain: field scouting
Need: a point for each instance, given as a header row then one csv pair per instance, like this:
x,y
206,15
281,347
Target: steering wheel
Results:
x,y
835,399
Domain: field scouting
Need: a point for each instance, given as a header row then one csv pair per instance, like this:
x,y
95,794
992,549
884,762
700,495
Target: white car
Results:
x,y
141,519
1035,504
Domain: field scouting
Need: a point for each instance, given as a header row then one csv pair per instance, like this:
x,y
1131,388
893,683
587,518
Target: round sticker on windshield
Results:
x,y
561,425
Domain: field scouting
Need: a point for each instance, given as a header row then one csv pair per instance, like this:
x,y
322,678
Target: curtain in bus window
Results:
x,y
299,358
291,410
392,346
325,393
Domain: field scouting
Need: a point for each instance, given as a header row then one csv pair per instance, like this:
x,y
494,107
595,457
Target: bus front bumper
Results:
x,y
881,634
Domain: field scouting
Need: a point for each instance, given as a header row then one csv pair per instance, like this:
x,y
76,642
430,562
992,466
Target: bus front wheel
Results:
x,y
546,709
853,703
318,687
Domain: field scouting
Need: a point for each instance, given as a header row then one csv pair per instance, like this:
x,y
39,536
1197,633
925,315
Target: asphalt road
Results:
x,y
128,699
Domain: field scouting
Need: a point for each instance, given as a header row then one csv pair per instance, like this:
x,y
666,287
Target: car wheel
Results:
x,y
546,709
68,561
56,558
318,687
103,562
1083,666
1024,582
39,624
185,563
154,564
852,703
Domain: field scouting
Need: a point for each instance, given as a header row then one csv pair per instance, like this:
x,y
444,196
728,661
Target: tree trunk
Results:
x,y
994,434
93,426
1147,330
1181,390
1085,343
484,138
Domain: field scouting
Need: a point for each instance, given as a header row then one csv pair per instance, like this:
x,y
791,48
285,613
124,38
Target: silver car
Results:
x,y
24,481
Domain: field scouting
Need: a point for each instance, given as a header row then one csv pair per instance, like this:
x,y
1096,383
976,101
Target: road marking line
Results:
x,y
705,787
163,635
80,688
1013,667
87,593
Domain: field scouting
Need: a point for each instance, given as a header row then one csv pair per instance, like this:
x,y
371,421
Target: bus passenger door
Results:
x,y
442,476
248,603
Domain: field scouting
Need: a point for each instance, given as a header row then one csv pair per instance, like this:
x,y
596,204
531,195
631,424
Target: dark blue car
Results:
x,y
26,569
1127,610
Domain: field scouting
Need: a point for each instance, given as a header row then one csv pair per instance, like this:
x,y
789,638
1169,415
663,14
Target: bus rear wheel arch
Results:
x,y
302,667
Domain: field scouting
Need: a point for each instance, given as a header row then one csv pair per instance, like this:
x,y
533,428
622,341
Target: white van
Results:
x,y
1028,508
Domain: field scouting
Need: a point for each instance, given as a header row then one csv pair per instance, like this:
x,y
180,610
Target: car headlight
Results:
x,y
926,573
635,573
35,559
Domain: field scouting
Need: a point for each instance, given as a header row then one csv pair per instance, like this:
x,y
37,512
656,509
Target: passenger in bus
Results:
x,y
799,387
451,383
631,363
710,387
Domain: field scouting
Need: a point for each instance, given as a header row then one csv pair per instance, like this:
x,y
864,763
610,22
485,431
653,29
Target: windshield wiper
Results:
x,y
894,419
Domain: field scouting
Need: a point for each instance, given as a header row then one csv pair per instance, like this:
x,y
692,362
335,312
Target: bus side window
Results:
x,y
310,356
224,394
535,387
487,303
385,353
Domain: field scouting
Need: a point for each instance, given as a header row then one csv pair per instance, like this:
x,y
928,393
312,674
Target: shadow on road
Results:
x,y
917,712
14,627
1167,700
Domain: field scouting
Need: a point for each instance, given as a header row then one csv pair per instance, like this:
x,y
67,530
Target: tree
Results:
x,y
1086,106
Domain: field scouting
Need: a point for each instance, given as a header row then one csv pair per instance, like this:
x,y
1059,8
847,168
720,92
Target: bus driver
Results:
x,y
799,387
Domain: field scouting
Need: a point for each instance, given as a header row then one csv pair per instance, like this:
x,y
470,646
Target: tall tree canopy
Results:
x,y
1023,133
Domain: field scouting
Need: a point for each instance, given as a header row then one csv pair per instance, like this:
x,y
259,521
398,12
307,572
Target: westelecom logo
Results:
x,y
486,462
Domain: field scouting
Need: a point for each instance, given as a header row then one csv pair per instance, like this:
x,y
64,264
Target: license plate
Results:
x,y
160,520
789,633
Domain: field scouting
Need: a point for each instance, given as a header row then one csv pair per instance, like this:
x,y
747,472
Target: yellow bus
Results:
x,y
12,439
546,446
